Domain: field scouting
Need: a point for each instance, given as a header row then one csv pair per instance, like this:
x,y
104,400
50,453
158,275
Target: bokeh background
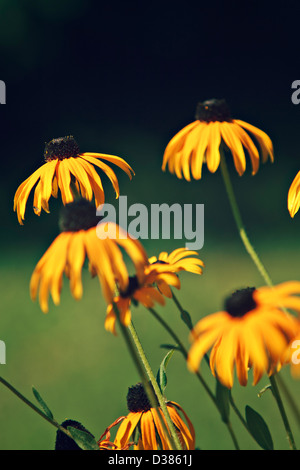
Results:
x,y
123,78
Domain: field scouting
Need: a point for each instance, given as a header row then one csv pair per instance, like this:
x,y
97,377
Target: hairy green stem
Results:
x,y
155,386
133,348
240,226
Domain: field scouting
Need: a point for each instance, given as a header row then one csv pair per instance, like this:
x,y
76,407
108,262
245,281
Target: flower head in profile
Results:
x,y
142,290
64,442
293,200
200,141
252,331
143,425
180,259
79,241
66,166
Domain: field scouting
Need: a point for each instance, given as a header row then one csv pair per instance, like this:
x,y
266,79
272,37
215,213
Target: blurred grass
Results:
x,y
83,372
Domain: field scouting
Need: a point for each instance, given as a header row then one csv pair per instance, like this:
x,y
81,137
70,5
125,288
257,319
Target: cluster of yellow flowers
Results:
x,y
255,329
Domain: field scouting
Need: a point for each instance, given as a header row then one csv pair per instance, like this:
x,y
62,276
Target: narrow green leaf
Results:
x,y
222,398
185,316
45,407
259,429
161,376
84,440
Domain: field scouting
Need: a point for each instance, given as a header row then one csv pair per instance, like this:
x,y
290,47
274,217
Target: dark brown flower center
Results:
x,y
133,285
137,399
63,442
213,110
240,302
63,147
78,215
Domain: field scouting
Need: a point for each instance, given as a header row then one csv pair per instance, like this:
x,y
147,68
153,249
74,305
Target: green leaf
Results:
x,y
259,429
222,398
45,407
161,376
84,440
185,316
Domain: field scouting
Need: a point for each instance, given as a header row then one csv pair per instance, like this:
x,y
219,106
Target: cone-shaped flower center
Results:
x,y
137,399
63,147
240,302
63,442
133,285
213,110
78,215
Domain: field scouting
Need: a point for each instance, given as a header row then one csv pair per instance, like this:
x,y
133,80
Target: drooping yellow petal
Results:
x,y
235,146
118,161
182,427
262,138
164,439
47,183
249,145
200,347
126,429
213,144
198,156
23,192
64,180
78,170
176,142
148,431
75,259
107,170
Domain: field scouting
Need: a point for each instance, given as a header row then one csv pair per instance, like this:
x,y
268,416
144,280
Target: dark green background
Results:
x,y
123,79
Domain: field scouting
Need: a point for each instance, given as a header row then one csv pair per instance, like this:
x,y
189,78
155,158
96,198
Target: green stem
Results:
x,y
238,220
289,397
34,407
198,375
280,405
155,386
137,360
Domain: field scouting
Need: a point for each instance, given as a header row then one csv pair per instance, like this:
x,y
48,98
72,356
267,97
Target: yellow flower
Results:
x,y
199,142
78,241
144,419
294,196
140,290
252,332
179,260
64,166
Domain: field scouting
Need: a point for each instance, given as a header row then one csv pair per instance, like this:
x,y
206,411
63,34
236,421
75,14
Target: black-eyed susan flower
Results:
x,y
143,425
252,331
293,200
180,259
199,142
78,241
66,166
142,291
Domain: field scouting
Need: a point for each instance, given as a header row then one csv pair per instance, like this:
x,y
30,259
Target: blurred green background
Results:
x,y
123,79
